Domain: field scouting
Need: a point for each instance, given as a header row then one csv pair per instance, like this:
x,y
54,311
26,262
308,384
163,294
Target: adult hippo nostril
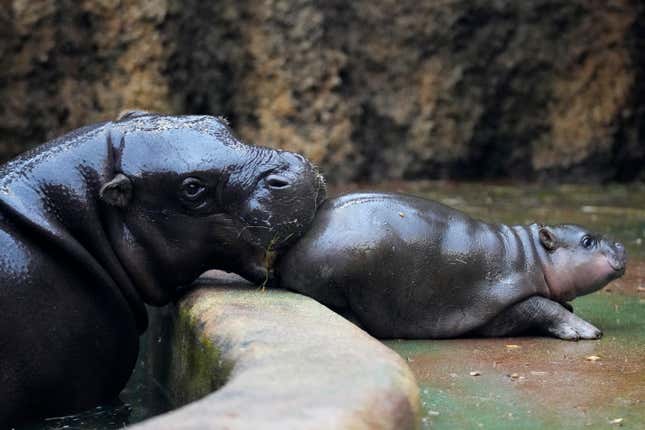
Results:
x,y
277,182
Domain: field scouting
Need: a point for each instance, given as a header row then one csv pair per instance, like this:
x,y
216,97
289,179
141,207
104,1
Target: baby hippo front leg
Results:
x,y
543,315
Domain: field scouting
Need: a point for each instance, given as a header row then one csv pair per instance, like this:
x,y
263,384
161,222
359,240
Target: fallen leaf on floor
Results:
x,y
592,358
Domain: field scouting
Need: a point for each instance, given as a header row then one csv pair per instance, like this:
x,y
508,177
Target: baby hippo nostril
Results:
x,y
620,250
277,181
618,258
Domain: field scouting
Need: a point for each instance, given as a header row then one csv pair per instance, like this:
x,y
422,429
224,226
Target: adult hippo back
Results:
x,y
413,268
118,214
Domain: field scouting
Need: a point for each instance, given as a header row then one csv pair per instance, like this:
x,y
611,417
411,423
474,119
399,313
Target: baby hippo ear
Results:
x,y
118,191
547,238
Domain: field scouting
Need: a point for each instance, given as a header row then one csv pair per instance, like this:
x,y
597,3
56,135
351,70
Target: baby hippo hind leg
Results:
x,y
543,315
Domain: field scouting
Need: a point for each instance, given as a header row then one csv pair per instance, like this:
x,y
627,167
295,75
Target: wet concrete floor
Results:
x,y
533,382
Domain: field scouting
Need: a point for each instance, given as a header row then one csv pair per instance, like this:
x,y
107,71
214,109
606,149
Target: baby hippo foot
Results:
x,y
543,315
572,327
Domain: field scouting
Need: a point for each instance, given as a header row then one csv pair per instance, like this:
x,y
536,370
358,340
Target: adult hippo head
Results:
x,y
187,196
97,223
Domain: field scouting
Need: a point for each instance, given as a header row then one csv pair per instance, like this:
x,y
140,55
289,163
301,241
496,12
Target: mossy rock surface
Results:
x,y
288,362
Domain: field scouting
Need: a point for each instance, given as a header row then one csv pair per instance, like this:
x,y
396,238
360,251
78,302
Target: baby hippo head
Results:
x,y
187,196
579,261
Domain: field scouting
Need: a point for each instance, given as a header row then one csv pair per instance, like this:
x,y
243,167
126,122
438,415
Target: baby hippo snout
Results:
x,y
617,257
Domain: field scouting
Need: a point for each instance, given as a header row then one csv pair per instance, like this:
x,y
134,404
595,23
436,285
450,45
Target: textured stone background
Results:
x,y
370,90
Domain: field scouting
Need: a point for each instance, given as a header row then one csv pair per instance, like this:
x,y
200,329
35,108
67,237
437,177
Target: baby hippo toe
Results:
x,y
574,328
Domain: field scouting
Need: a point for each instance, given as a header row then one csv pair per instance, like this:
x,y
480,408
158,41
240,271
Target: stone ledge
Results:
x,y
291,364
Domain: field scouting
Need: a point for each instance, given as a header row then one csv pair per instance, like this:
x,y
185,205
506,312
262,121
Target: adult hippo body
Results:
x,y
408,267
112,216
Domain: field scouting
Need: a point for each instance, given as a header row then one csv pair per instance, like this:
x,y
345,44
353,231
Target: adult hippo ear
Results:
x,y
118,191
547,238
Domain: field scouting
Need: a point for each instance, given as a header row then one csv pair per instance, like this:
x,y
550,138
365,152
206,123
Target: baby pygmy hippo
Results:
x,y
407,267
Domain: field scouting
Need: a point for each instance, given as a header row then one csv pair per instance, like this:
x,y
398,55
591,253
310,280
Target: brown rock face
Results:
x,y
547,89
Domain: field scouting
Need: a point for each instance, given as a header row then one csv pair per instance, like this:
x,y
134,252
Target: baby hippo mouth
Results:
x,y
618,266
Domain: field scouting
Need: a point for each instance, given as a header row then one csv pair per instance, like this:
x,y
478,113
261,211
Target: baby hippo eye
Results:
x,y
588,242
192,188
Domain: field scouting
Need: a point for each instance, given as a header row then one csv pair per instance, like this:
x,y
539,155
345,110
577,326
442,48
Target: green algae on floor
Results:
x,y
535,382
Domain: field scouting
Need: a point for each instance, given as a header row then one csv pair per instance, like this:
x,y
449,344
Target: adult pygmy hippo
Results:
x,y
114,215
413,268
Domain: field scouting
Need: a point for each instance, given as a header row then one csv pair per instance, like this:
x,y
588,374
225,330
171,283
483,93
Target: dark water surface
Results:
x,y
528,383
539,383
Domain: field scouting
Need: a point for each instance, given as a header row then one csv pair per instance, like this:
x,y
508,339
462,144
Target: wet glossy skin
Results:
x,y
112,216
413,268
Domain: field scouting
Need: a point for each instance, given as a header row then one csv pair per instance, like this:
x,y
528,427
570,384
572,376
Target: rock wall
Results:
x,y
473,89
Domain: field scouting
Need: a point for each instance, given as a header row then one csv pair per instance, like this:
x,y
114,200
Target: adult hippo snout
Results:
x,y
291,187
281,204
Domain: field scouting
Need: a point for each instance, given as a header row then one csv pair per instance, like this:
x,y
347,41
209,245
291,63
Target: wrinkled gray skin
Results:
x,y
406,267
114,215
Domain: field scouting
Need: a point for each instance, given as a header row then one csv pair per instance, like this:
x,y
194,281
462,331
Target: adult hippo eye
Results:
x,y
588,242
192,188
